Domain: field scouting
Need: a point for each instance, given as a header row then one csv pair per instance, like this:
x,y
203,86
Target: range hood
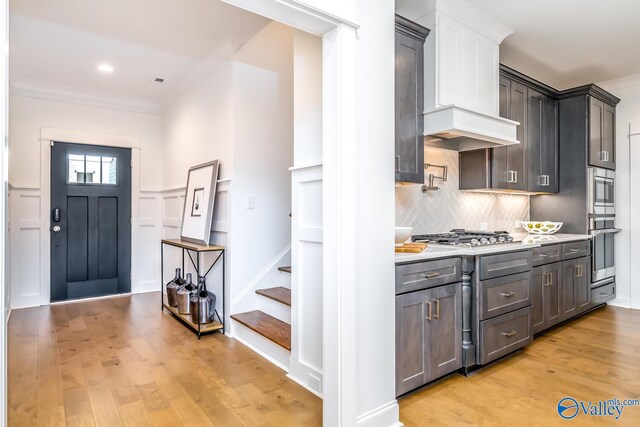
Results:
x,y
462,76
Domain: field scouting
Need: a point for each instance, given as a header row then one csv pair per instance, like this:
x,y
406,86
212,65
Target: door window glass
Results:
x,y
109,165
76,168
85,169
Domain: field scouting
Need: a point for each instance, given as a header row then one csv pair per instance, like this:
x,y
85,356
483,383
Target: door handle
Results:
x,y
509,333
429,308
507,294
56,228
437,315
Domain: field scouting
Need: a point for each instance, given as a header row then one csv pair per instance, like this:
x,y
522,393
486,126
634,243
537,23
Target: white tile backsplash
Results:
x,y
448,208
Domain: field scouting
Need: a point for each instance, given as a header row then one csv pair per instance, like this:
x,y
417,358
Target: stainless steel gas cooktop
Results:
x,y
465,237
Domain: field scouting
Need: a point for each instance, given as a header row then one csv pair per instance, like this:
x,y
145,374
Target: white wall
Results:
x,y
262,152
627,189
29,194
28,115
375,263
197,127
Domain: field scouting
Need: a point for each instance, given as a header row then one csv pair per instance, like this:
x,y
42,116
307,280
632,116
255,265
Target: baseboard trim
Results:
x,y
302,384
621,302
385,416
260,353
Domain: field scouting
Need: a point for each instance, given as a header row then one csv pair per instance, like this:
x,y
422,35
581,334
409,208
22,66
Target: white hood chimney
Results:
x,y
462,71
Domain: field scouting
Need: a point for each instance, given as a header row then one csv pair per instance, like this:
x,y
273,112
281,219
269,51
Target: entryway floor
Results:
x,y
120,361
596,357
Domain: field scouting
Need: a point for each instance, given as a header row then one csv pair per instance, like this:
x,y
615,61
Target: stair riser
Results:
x,y
274,308
266,348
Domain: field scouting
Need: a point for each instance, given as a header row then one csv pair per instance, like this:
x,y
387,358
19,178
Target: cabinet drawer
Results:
x,y
603,294
492,266
504,334
546,255
424,275
504,294
576,249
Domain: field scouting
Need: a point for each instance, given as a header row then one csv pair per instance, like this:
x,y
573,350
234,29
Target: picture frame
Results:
x,y
199,202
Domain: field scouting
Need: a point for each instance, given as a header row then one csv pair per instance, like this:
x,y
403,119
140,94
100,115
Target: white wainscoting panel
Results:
x,y
306,278
448,208
28,256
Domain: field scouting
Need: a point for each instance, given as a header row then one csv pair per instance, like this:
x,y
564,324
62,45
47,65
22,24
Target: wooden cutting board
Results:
x,y
411,248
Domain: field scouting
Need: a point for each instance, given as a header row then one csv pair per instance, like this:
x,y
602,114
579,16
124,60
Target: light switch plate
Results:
x,y
250,201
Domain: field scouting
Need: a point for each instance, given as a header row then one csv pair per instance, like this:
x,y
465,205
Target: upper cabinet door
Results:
x,y
596,114
609,136
409,104
535,136
550,147
499,174
516,154
542,142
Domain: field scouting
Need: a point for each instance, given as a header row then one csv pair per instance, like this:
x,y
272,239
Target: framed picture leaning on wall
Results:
x,y
199,202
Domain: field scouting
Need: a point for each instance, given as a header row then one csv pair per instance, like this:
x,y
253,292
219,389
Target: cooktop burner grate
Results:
x,y
460,236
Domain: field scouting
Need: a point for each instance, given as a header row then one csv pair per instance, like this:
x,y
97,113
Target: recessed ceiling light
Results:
x,y
105,68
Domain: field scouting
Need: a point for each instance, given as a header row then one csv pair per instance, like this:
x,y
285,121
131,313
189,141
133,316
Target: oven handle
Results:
x,y
595,233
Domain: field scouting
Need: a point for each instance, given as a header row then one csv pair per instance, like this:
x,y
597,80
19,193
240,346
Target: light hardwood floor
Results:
x,y
119,361
596,357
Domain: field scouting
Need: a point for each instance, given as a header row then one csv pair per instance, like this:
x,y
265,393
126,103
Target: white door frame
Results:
x,y
340,404
47,135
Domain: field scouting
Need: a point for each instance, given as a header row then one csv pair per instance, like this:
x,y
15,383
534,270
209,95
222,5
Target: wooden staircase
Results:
x,y
266,325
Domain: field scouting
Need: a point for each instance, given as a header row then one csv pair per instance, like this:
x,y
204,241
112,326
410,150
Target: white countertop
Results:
x,y
524,241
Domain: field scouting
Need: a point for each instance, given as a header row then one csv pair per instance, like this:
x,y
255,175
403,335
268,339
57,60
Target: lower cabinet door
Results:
x,y
551,295
444,331
411,365
583,286
428,335
538,282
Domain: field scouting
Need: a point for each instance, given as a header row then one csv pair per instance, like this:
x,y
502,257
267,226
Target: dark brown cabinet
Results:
x,y
532,165
428,335
545,296
602,118
576,292
409,101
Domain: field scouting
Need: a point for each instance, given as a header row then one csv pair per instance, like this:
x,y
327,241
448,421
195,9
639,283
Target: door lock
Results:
x,y
56,228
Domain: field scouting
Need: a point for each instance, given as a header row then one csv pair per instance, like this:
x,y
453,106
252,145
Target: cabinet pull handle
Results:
x,y
574,250
515,175
429,308
431,275
397,163
509,333
579,270
507,294
543,255
550,279
437,315
602,294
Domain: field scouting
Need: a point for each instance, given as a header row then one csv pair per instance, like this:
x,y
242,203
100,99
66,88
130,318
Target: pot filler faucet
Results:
x,y
432,177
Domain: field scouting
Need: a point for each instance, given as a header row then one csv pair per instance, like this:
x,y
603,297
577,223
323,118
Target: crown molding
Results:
x,y
50,92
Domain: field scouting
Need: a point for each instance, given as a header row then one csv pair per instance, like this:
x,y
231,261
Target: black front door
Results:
x,y
90,221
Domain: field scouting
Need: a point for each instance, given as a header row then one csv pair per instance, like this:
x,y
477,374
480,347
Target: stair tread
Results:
x,y
279,293
285,269
268,326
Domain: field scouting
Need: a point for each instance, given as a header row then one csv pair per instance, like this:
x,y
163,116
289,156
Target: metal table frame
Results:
x,y
187,248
